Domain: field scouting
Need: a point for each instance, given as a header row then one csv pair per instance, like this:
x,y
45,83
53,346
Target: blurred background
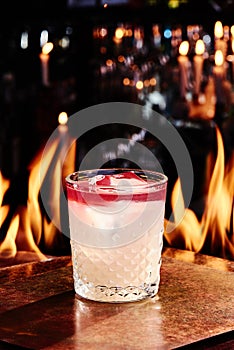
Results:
x,y
85,67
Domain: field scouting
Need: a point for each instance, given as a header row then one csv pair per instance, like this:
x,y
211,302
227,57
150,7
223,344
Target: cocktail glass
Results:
x,y
116,219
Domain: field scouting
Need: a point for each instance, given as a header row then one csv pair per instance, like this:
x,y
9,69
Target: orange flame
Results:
x,y
29,225
216,225
8,246
4,185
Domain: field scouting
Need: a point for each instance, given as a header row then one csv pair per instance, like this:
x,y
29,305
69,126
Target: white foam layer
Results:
x,y
116,226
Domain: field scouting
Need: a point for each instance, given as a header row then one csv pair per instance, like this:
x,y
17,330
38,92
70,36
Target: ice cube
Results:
x,y
115,179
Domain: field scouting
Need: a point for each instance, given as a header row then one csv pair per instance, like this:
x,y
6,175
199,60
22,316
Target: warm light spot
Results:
x,y
105,5
189,29
138,33
62,118
103,32
178,32
109,63
218,58
103,50
229,58
233,45
128,32
155,29
213,100
196,36
184,47
139,85
200,47
173,4
147,83
126,82
47,48
218,30
202,99
64,42
119,33
226,32
153,81
232,30
121,59
210,113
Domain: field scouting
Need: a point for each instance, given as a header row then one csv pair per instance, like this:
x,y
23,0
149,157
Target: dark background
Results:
x,y
29,110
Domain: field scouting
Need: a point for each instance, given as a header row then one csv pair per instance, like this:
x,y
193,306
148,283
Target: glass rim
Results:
x,y
157,178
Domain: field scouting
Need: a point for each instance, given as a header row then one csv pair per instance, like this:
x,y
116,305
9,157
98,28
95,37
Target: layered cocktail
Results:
x,y
116,219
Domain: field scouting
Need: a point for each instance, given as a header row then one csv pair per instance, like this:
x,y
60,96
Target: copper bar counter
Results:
x,y
193,310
